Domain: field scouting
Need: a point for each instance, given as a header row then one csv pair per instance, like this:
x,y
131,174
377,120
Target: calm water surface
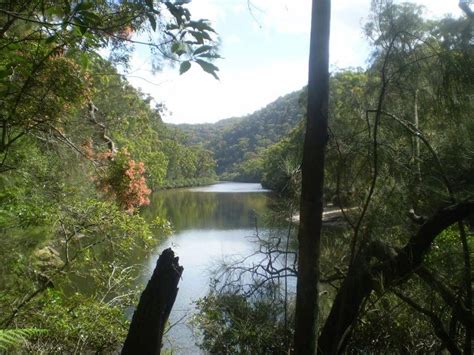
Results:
x,y
211,224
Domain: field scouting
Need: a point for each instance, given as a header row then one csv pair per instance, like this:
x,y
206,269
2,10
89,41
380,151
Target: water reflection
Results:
x,y
200,209
230,187
211,224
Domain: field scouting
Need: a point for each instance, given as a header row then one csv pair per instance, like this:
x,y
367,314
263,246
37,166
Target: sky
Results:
x,y
264,45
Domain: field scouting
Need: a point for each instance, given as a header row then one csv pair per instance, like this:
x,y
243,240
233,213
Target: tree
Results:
x,y
47,46
408,51
312,170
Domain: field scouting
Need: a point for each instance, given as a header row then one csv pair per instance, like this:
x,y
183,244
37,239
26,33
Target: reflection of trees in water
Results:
x,y
206,210
256,293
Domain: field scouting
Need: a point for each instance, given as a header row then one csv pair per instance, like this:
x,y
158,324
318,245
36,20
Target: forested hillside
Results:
x,y
122,116
237,143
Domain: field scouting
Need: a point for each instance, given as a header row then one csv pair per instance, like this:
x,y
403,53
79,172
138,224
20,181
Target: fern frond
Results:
x,y
14,338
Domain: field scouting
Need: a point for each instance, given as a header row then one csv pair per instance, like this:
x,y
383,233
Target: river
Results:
x,y
211,224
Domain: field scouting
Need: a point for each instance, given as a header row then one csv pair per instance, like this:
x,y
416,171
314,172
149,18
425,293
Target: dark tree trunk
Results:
x,y
390,269
311,207
344,312
149,320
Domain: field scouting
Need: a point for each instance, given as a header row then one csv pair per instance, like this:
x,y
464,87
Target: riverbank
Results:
x,y
177,184
331,214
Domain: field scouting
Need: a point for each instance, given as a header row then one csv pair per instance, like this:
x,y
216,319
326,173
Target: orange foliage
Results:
x,y
137,192
124,177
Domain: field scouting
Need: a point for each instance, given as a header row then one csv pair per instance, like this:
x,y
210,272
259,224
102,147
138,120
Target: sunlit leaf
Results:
x,y
178,48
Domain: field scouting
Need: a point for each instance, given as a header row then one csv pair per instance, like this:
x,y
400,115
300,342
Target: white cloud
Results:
x,y
348,47
197,97
439,8
283,15
207,9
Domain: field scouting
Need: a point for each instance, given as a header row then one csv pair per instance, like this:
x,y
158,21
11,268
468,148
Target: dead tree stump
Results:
x,y
149,319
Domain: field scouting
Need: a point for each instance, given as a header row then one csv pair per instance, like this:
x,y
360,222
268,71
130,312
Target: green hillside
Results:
x,y
237,142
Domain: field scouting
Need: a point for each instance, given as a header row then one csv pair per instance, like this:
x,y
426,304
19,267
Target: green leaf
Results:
x,y
83,6
201,25
184,67
208,67
202,49
51,39
5,72
14,338
83,29
79,22
149,3
12,47
178,48
186,14
200,36
84,59
210,56
57,10
152,20
90,18
176,12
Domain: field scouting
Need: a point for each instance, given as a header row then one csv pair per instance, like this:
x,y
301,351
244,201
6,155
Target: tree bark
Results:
x,y
149,320
390,270
311,207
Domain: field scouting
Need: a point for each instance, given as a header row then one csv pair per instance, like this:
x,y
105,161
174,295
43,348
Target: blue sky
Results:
x,y
264,52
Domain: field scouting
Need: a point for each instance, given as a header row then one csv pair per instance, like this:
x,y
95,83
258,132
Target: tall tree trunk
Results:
x,y
149,320
311,207
389,270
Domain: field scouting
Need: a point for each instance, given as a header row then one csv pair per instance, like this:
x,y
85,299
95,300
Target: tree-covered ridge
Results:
x,y
238,142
